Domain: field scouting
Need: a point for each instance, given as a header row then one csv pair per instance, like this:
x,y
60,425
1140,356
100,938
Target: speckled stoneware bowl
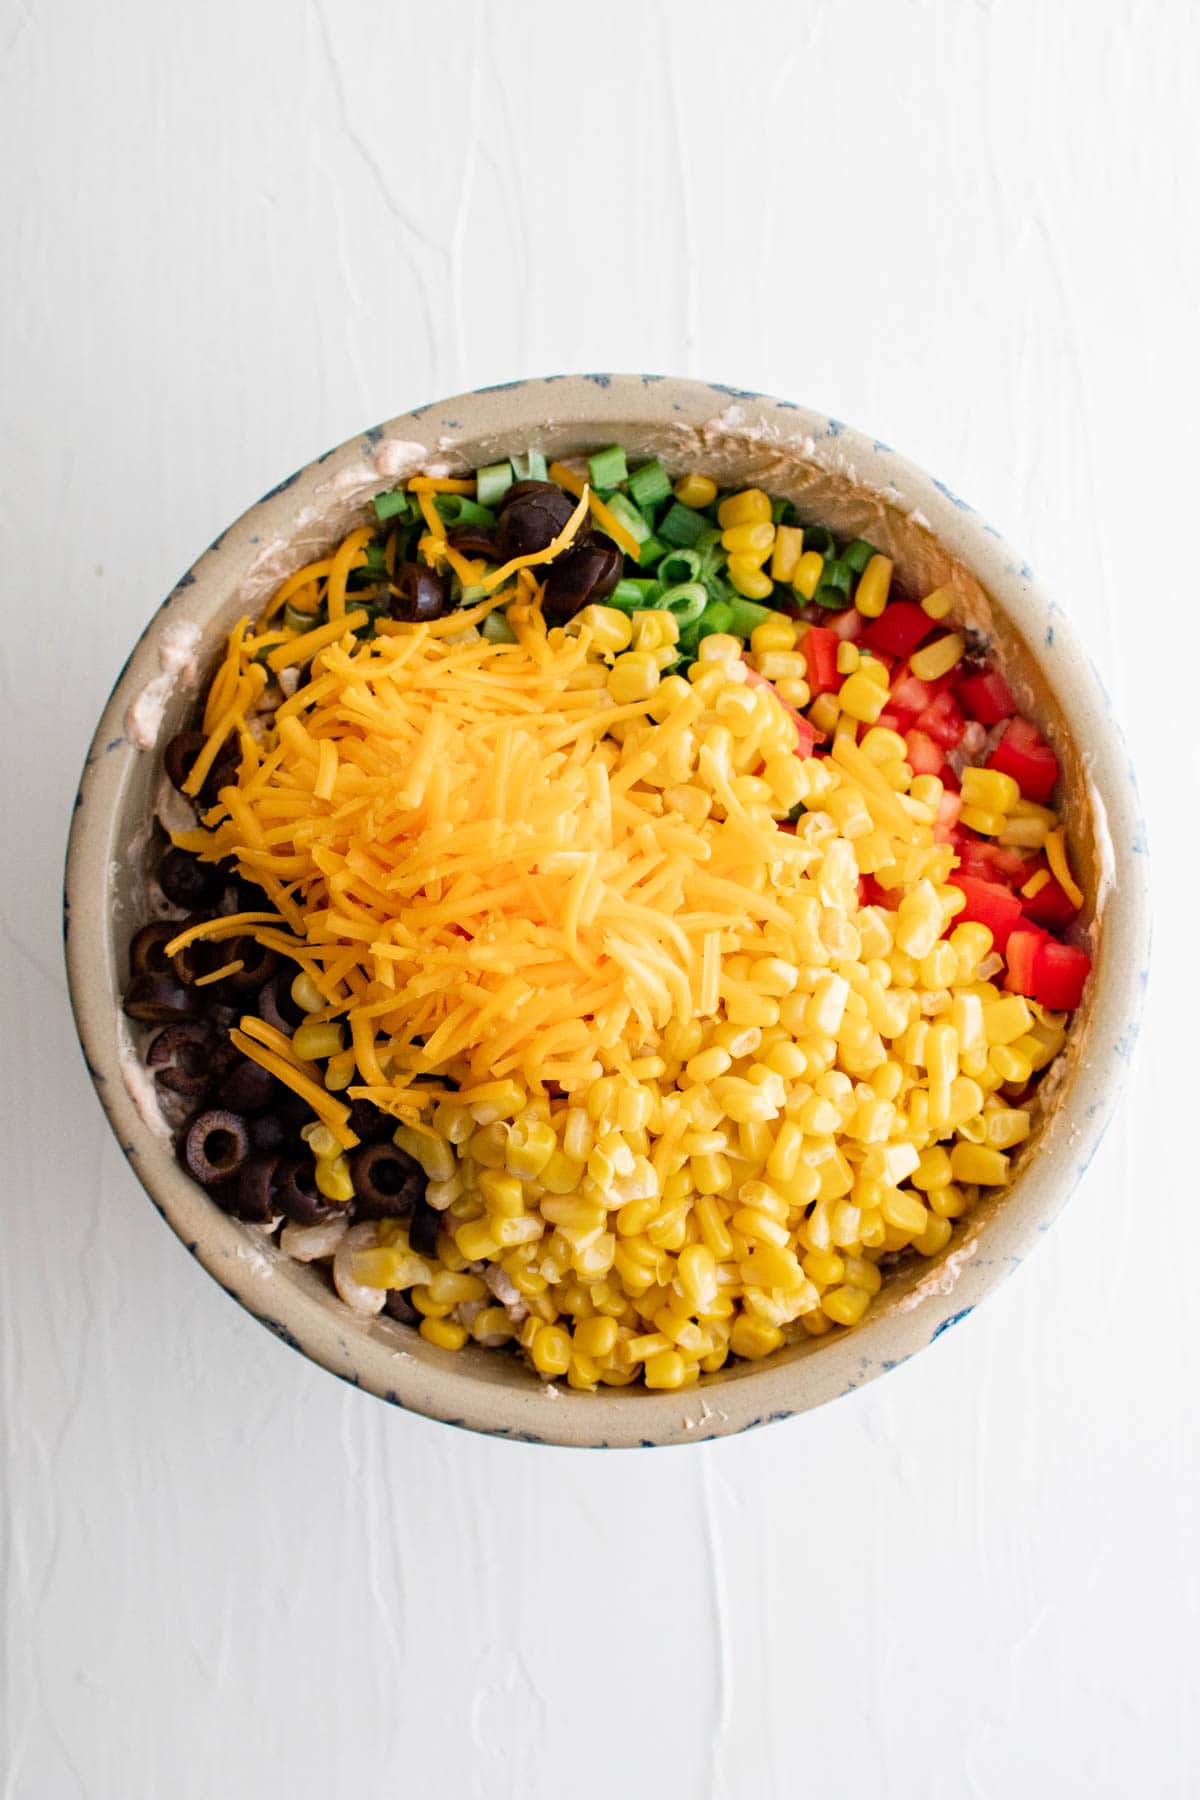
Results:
x,y
854,484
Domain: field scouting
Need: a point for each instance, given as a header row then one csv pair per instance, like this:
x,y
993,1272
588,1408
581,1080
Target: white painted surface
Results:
x,y
236,233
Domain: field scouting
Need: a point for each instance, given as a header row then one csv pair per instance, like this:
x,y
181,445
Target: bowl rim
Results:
x,y
442,1385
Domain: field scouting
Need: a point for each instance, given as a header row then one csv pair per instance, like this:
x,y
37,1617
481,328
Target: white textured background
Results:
x,y
232,235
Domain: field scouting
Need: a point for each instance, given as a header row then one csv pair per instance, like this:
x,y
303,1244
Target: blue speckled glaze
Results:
x,y
516,1409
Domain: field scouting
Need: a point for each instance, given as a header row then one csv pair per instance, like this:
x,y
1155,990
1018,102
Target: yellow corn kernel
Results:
x,y
307,994
1007,1127
749,577
861,697
789,547
808,574
667,1369
633,676
948,1202
596,1337
435,1157
775,636
315,1042
979,1163
341,1070
939,967
333,1179
528,1148
903,1210
990,789
1028,826
426,1305
988,824
503,1195
447,1334
1009,1064
941,1054
655,629
845,1305
938,658
754,1338
1006,1020
933,1170
475,1241
697,1271
610,628
696,491
713,1231
749,507
550,1351
492,1326
939,604
847,658
448,1288
871,594
824,1267
708,1064
880,745
918,921
755,540
935,1237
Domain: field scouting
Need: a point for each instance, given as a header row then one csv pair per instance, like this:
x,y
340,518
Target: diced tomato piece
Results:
x,y
819,646
889,720
988,904
909,693
899,629
1021,954
943,720
849,625
1059,974
947,817
871,894
1032,764
807,733
992,862
923,755
1050,906
986,697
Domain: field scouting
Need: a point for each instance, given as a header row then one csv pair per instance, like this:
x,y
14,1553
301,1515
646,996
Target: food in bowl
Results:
x,y
618,921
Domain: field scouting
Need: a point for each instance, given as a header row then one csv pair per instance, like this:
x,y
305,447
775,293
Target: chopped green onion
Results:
x,y
746,616
649,484
497,630
796,811
391,506
492,482
818,538
717,616
473,591
651,549
838,574
685,601
607,468
678,566
376,563
295,620
632,595
529,465
857,554
621,507
832,597
682,527
459,509
782,512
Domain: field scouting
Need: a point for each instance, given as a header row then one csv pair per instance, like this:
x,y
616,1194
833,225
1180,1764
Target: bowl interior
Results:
x,y
858,488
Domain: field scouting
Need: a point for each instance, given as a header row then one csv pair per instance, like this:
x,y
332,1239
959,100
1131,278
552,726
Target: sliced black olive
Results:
x,y
267,1130
259,963
255,1190
369,1123
583,576
387,1183
423,1229
473,540
532,513
183,1058
216,1145
418,594
186,881
146,952
401,1307
275,1003
297,1194
157,999
180,755
247,1088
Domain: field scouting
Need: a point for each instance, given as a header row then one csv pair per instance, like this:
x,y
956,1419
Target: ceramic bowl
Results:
x,y
851,482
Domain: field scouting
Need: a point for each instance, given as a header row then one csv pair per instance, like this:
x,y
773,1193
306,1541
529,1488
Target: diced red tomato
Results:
x,y
894,721
988,904
1050,906
947,817
1032,764
909,694
992,862
820,647
1021,954
943,720
924,755
986,697
849,625
1059,974
899,629
807,733
871,894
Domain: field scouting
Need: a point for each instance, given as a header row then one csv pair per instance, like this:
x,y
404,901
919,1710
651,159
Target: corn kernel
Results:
x,y
871,594
475,1241
754,1338
808,574
1007,1127
333,1179
938,658
774,636
633,677
978,1163
611,629
306,994
316,1042
990,789
447,1334
847,658
789,547
935,1237
749,577
939,604
550,1351
988,824
1006,1020
755,539
861,698
749,507
696,491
